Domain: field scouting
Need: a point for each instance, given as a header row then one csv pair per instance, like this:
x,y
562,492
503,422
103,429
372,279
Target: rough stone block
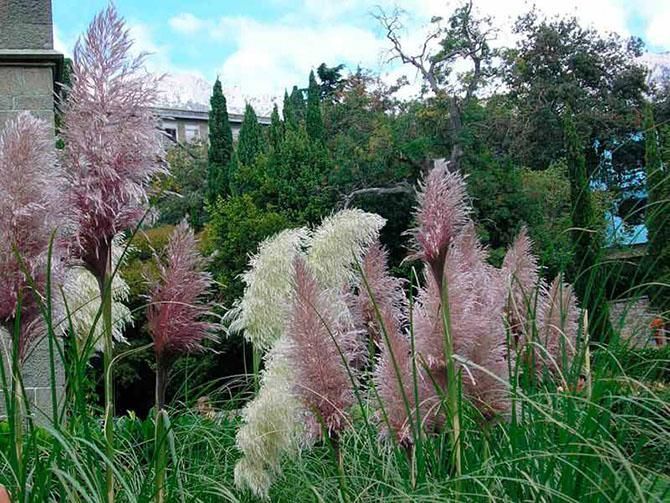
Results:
x,y
25,81
25,24
33,103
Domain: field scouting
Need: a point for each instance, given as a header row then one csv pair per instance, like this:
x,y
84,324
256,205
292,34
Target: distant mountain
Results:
x,y
658,64
186,91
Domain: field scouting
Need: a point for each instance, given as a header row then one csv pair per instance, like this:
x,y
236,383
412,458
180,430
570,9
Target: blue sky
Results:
x,y
265,46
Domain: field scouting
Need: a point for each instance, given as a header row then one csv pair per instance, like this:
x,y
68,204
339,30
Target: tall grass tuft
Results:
x,y
112,151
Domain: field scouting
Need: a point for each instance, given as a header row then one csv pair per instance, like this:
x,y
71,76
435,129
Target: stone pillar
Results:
x,y
29,69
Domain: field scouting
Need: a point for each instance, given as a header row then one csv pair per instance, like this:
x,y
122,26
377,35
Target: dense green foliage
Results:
x,y
183,193
220,145
587,237
559,64
313,119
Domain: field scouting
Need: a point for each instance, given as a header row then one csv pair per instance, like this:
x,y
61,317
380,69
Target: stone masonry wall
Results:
x,y
26,88
25,24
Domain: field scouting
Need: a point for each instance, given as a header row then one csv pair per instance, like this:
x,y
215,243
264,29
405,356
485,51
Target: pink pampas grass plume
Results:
x,y
393,373
322,380
177,309
442,211
387,293
521,275
112,146
475,294
30,212
557,327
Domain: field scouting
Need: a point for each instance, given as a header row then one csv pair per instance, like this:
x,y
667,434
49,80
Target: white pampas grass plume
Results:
x,y
340,242
262,311
273,425
82,295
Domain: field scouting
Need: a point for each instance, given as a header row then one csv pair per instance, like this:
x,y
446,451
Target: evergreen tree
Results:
x,y
287,109
587,238
313,119
331,80
276,129
297,106
250,142
220,145
658,214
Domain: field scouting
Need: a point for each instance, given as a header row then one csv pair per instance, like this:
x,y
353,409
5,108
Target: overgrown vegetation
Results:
x,y
363,339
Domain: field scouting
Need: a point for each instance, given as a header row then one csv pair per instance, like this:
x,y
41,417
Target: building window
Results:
x,y
171,133
191,132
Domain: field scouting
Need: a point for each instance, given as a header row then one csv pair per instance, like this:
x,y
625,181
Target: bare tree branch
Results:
x,y
400,188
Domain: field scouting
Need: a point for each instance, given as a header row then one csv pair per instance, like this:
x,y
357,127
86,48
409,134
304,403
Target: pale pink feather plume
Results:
x,y
112,143
387,292
393,373
521,274
178,307
31,210
558,327
441,213
322,379
475,293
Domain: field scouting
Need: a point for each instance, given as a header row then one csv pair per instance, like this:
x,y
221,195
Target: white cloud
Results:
x,y
187,23
657,31
271,57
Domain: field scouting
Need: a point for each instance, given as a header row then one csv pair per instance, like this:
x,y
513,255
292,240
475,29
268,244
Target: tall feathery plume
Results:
x,y
82,295
30,214
176,319
339,243
272,426
177,305
262,311
441,213
112,151
31,210
333,250
558,327
475,301
520,272
322,380
112,146
485,370
381,307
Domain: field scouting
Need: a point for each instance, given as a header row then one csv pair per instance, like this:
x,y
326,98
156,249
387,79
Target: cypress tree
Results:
x,y
657,214
220,145
287,111
250,142
587,238
276,129
297,105
313,119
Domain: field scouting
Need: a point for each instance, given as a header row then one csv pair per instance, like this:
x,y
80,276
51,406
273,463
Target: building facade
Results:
x,y
188,125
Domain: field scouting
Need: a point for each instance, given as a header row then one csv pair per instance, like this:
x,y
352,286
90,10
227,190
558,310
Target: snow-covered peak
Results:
x,y
658,64
185,91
